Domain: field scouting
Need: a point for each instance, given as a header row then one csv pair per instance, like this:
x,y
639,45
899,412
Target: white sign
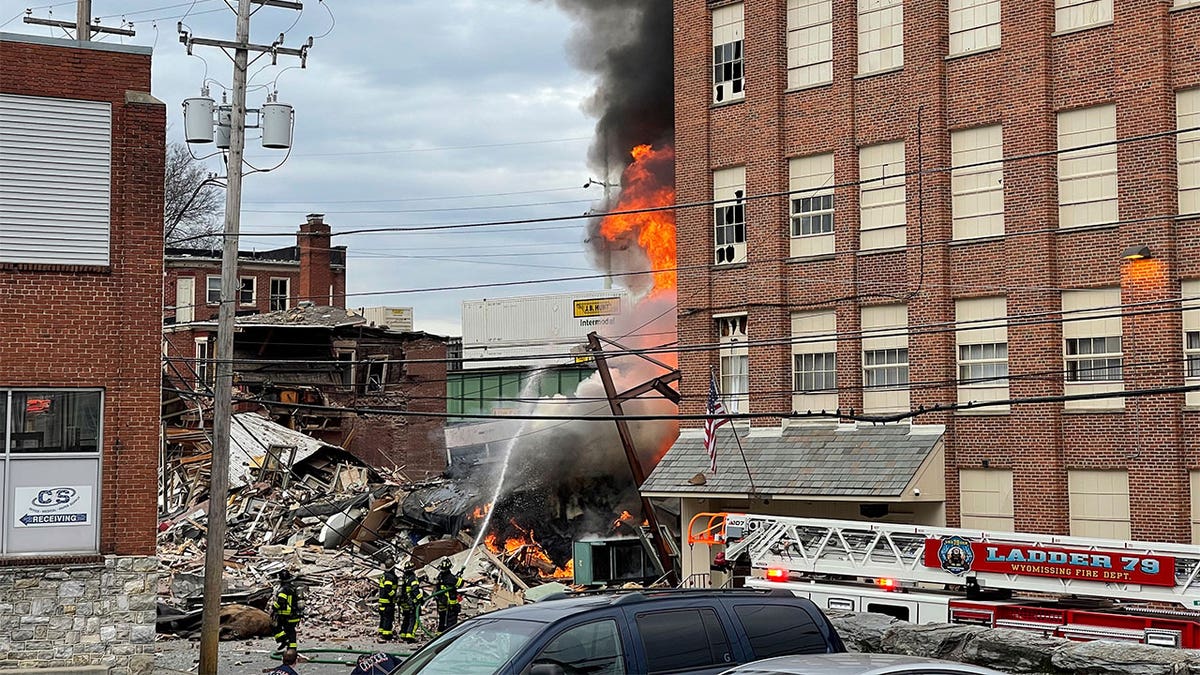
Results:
x,y
53,506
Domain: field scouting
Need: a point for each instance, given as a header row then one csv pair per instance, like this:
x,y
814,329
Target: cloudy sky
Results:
x,y
411,112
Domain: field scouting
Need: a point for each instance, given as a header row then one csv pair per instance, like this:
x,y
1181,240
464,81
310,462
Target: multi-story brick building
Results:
x,y
270,280
82,147
928,203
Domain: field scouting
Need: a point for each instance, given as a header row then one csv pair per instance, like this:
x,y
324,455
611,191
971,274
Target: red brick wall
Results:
x,y
99,327
200,271
1137,63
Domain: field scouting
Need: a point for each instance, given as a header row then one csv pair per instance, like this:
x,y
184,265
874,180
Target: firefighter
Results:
x,y
446,596
410,603
387,600
286,610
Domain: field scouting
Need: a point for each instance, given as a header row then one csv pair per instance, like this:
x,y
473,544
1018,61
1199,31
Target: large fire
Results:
x,y
642,187
526,551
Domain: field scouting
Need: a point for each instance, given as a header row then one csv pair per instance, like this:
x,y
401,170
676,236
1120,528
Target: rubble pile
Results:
x,y
314,509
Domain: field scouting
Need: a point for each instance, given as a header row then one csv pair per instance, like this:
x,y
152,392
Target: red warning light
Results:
x,y
776,574
886,584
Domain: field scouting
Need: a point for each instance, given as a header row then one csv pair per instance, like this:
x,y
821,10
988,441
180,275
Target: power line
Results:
x,y
411,199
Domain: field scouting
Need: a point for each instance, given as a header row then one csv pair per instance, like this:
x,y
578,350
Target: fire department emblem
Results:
x,y
955,555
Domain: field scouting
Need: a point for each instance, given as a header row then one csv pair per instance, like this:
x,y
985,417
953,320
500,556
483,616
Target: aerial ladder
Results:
x,y
1074,587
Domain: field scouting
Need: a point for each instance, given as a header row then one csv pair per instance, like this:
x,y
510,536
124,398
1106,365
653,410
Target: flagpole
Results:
x,y
733,427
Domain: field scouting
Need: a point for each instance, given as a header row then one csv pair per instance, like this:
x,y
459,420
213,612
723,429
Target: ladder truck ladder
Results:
x,y
917,554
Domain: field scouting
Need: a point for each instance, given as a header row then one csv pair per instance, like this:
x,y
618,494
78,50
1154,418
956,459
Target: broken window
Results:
x,y
374,374
280,289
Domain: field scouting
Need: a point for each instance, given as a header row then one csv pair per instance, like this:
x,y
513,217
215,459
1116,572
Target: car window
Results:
x,y
681,640
779,630
591,649
477,647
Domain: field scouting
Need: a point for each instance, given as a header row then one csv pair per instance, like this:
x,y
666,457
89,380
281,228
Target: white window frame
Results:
x,y
810,183
1187,150
729,216
276,301
814,339
1084,321
1194,475
210,289
728,50
253,288
1094,359
372,361
204,364
1191,327
809,43
982,326
885,365
1073,15
880,36
1087,179
883,220
977,189
974,26
734,362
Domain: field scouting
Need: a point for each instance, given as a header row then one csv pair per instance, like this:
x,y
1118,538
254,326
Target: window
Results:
x,y
591,648
981,338
1195,474
661,632
213,292
1073,14
1191,337
1092,347
735,363
1087,179
974,25
246,293
812,209
280,290
986,499
885,358
50,442
881,196
729,216
1099,503
375,372
880,35
203,367
814,360
780,630
728,75
978,191
55,196
345,359
809,42
1187,150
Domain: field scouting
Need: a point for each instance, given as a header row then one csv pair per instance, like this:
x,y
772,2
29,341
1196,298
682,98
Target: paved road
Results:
x,y
250,657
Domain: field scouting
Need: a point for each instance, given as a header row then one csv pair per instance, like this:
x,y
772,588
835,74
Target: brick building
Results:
x,y
888,281
82,146
334,360
270,280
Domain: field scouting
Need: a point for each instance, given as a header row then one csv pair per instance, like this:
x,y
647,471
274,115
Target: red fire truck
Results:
x,y
1072,587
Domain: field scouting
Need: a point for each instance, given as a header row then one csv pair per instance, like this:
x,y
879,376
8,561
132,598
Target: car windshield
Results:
x,y
479,647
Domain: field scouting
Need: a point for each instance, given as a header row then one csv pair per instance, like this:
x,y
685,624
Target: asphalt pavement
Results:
x,y
253,657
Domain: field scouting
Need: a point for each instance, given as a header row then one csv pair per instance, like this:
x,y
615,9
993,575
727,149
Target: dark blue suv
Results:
x,y
638,633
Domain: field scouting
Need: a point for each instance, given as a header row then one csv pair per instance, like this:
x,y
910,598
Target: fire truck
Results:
x,y
1071,587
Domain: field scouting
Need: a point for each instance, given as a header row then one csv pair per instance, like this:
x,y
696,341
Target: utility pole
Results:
x,y
83,20
214,555
83,23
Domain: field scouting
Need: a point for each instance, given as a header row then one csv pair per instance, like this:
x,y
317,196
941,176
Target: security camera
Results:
x,y
917,492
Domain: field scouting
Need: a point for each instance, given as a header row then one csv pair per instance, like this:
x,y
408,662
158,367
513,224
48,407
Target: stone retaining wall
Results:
x,y
1012,651
73,616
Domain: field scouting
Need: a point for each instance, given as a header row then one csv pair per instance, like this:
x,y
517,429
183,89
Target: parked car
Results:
x,y
857,664
644,632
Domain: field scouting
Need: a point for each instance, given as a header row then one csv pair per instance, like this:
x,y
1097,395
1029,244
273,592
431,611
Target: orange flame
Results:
x,y
655,231
480,512
625,517
527,552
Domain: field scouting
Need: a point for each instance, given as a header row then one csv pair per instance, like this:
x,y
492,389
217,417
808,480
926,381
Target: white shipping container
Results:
x,y
392,318
536,324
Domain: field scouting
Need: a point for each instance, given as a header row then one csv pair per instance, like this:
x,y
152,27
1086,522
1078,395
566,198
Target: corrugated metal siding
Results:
x,y
55,174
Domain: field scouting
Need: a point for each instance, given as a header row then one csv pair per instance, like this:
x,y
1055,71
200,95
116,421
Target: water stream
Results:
x,y
526,407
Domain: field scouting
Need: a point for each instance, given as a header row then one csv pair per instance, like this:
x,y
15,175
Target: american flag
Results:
x,y
715,407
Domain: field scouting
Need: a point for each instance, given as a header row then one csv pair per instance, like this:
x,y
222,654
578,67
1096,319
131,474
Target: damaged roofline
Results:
x,y
890,499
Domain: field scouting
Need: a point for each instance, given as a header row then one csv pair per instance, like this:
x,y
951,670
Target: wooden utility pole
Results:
x,y
661,385
82,24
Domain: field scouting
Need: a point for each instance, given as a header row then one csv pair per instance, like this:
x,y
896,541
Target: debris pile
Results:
x,y
300,504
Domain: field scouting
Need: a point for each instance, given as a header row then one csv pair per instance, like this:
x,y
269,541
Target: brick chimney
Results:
x,y
316,276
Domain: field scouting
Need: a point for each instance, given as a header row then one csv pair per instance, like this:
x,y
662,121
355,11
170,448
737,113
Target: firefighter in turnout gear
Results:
x,y
410,603
287,610
446,596
387,600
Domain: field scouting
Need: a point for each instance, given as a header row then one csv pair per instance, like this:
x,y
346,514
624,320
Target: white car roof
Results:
x,y
853,664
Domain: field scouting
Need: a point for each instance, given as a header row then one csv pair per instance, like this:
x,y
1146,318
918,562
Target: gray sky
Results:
x,y
408,109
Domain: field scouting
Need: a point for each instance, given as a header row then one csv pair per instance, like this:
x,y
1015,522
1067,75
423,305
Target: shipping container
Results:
x,y
534,325
398,319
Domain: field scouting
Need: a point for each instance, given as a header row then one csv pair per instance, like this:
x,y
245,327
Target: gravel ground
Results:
x,y
245,657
